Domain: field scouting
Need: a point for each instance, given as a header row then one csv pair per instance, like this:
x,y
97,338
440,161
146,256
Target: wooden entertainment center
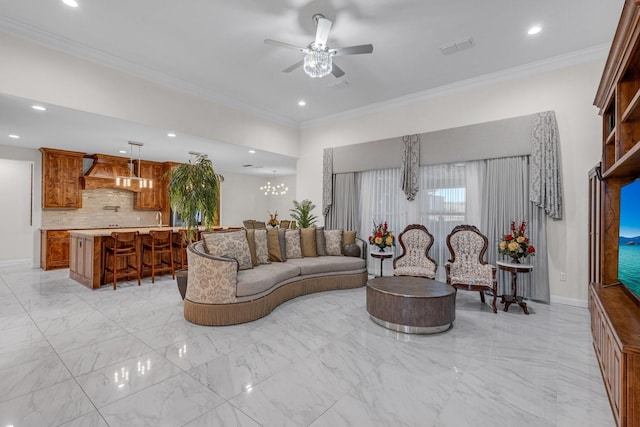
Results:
x,y
615,312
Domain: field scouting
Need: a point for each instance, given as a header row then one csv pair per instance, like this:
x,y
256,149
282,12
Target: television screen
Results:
x,y
629,240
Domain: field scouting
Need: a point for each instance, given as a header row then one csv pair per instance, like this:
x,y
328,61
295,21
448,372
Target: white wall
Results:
x,y
568,91
25,237
242,199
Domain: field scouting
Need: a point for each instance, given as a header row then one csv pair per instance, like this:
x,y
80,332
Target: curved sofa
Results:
x,y
218,294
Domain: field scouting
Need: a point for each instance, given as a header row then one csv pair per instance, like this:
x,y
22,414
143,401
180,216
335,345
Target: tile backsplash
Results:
x,y
94,214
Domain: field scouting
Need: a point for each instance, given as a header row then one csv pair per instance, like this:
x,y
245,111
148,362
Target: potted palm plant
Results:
x,y
194,193
301,212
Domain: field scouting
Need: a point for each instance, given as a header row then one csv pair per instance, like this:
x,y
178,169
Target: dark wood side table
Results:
x,y
514,269
382,256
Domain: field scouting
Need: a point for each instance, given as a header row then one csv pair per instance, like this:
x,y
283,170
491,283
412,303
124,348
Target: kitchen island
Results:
x,y
87,248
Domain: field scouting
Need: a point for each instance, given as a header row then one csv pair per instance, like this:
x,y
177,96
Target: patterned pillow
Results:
x,y
262,249
229,243
294,250
333,240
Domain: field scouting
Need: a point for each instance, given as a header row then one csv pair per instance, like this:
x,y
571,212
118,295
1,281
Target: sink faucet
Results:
x,y
159,219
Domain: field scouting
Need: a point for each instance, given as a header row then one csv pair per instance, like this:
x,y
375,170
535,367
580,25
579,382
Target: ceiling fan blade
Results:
x,y
352,50
293,67
322,32
336,71
285,45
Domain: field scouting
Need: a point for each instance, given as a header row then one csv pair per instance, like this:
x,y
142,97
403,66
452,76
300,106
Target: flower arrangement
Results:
x,y
516,244
381,236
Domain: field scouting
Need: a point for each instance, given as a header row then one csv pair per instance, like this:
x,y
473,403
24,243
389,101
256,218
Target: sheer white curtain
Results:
x,y
381,199
449,195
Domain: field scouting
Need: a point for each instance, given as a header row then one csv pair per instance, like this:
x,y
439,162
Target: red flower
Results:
x,y
532,249
513,227
385,226
508,237
379,234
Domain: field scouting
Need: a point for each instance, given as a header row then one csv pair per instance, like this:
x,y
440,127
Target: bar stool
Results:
x,y
179,245
161,244
125,246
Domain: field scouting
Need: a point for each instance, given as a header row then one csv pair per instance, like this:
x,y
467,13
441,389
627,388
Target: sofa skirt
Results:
x,y
247,311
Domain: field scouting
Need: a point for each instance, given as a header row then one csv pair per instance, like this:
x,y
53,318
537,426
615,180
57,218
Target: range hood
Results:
x,y
104,171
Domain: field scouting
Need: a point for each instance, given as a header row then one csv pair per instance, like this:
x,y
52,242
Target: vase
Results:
x,y
515,260
380,249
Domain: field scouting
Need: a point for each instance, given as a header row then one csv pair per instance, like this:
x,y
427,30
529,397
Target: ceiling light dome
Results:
x,y
317,63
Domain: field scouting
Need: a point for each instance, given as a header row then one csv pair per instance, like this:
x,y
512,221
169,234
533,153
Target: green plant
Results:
x,y
301,212
194,188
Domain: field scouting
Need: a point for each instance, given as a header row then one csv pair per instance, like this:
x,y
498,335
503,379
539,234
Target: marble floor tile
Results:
x,y
114,382
95,356
173,402
72,356
17,354
161,336
92,419
50,406
224,415
83,337
31,376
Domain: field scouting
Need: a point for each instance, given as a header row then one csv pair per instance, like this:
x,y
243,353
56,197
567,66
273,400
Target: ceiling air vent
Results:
x,y
449,48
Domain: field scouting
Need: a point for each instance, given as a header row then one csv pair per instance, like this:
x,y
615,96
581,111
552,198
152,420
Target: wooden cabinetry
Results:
x,y
61,173
615,313
614,325
54,249
150,197
81,261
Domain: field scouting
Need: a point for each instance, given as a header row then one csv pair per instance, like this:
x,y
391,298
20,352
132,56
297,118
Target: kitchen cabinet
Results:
x,y
54,249
61,174
81,261
150,197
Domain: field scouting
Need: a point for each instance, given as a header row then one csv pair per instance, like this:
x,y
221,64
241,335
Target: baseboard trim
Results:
x,y
570,301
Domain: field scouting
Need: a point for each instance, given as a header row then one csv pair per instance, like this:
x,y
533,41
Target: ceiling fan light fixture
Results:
x,y
317,63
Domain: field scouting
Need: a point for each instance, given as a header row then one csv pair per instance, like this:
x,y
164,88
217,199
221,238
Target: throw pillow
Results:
x,y
348,238
333,240
252,247
321,245
229,243
283,244
293,244
308,242
262,249
273,246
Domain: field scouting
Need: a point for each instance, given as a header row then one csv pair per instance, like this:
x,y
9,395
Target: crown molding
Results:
x,y
549,64
64,45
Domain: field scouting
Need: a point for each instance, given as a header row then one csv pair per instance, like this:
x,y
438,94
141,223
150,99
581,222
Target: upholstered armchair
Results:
x,y
416,241
467,268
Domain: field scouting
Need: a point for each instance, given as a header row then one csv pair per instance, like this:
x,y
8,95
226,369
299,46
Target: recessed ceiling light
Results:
x,y
534,30
71,3
252,151
123,151
38,107
171,135
302,103
14,136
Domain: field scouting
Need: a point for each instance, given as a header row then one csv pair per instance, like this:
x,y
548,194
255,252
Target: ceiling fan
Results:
x,y
318,57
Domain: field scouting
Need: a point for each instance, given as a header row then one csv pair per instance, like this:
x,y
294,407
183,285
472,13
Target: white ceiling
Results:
x,y
216,47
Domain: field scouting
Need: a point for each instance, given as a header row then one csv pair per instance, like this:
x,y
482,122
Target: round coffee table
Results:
x,y
413,305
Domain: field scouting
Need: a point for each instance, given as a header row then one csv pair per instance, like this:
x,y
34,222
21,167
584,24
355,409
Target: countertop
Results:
x,y
100,227
107,231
